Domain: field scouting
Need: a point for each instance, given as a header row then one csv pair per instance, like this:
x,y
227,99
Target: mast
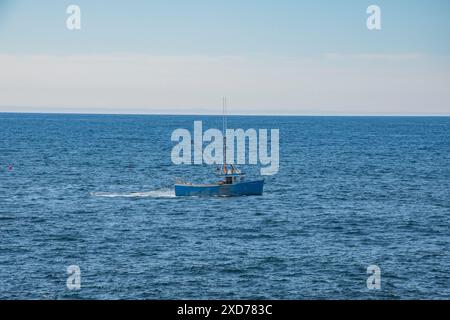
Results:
x,y
224,130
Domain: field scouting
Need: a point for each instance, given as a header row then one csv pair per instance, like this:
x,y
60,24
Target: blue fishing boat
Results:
x,y
231,184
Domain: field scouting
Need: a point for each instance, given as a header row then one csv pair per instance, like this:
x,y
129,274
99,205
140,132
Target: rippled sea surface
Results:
x,y
97,191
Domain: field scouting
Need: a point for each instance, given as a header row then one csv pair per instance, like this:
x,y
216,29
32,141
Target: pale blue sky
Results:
x,y
278,41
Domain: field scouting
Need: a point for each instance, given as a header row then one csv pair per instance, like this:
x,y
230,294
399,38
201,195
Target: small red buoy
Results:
x,y
10,167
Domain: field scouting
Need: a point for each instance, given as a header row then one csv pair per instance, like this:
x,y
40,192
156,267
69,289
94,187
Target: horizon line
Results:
x,y
235,114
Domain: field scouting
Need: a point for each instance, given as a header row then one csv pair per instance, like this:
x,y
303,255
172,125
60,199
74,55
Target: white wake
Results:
x,y
148,194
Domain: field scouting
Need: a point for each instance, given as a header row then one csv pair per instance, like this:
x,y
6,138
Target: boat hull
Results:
x,y
247,188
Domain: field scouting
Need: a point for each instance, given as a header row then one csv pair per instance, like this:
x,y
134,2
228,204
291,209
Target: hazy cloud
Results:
x,y
330,84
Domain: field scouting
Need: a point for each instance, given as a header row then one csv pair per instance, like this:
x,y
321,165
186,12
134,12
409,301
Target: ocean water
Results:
x,y
96,191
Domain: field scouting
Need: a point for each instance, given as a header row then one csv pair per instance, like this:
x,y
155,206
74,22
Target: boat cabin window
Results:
x,y
228,180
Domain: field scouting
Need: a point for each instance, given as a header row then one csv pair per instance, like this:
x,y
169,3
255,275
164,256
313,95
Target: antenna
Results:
x,y
224,132
223,114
